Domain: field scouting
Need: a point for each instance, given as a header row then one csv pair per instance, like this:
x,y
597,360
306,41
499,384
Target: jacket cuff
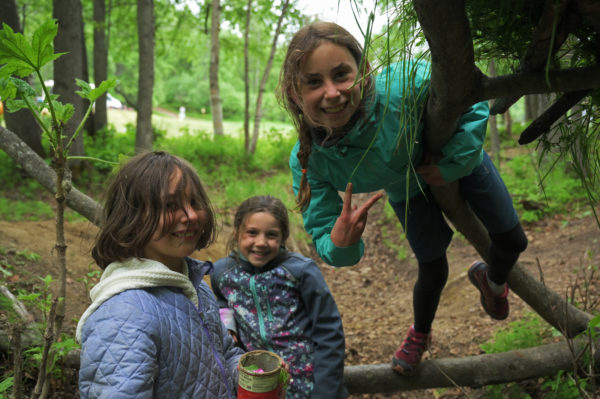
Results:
x,y
227,319
340,256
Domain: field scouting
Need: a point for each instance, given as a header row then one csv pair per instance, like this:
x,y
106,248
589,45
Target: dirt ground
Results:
x,y
374,297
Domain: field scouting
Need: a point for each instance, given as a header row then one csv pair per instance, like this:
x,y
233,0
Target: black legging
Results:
x,y
504,252
427,290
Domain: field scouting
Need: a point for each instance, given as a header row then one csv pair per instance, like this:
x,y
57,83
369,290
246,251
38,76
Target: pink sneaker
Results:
x,y
408,356
494,305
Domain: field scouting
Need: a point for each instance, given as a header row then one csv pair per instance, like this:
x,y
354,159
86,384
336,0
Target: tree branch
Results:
x,y
543,123
37,168
566,80
473,371
541,45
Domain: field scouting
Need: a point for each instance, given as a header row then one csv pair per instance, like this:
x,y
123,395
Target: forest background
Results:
x,y
243,154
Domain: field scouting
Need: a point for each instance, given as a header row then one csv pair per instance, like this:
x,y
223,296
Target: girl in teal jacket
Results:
x,y
360,133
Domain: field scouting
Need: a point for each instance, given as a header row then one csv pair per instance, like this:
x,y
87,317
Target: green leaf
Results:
x,y
7,89
23,58
64,112
92,94
23,88
42,42
13,105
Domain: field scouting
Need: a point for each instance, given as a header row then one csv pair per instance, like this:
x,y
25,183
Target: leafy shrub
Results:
x,y
528,332
537,193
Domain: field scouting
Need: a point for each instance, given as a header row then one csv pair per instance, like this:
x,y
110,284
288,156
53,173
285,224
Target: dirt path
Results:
x,y
374,297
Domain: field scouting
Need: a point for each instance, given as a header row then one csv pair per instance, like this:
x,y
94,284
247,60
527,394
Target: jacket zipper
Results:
x,y
261,321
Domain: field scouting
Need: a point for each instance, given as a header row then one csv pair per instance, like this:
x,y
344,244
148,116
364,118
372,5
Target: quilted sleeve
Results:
x,y
327,334
231,353
118,353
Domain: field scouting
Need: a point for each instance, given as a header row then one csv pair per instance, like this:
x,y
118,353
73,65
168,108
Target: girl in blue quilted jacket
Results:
x,y
277,300
153,329
362,133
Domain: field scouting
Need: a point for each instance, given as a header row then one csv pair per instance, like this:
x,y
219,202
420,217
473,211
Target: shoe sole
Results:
x,y
398,368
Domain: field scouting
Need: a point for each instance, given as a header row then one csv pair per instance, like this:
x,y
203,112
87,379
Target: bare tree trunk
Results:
x,y
145,18
472,371
17,331
507,123
263,82
38,169
494,135
531,107
215,95
20,122
69,39
246,79
100,62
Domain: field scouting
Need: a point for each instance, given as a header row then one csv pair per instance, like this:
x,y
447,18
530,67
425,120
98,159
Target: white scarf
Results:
x,y
135,273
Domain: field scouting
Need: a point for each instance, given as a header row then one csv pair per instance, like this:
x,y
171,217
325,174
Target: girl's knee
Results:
x,y
513,240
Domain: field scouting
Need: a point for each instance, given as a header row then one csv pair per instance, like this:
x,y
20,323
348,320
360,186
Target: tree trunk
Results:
x,y
71,65
215,94
145,18
263,82
100,62
472,371
507,123
454,81
493,124
246,79
38,169
20,122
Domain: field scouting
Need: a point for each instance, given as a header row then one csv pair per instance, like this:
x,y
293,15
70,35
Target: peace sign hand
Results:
x,y
351,223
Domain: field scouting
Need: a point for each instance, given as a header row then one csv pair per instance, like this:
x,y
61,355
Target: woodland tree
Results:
x,y
73,65
20,122
145,18
100,61
215,94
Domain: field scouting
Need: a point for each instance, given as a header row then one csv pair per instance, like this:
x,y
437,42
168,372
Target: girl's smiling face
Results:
x,y
260,238
179,239
328,95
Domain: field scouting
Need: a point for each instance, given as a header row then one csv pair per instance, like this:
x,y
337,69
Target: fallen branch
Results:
x,y
472,371
29,334
37,168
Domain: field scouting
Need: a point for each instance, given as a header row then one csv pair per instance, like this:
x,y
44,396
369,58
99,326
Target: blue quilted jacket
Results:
x,y
154,343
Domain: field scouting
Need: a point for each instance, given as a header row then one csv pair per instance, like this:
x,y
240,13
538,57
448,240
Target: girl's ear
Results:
x,y
294,97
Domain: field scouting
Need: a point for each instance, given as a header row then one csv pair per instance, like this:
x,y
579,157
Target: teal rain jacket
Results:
x,y
381,151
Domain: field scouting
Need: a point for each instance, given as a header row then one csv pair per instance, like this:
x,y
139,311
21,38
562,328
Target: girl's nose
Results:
x,y
260,240
190,214
331,90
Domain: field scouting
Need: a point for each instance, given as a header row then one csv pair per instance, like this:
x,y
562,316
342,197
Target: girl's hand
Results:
x,y
351,223
430,171
431,174
234,336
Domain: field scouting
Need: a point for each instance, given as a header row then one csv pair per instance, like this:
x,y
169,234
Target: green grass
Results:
x,y
174,127
231,176
542,191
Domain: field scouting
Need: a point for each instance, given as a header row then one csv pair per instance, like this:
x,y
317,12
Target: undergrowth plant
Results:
x,y
544,193
532,331
21,57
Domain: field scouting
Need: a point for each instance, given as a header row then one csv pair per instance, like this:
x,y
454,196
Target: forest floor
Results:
x,y
374,297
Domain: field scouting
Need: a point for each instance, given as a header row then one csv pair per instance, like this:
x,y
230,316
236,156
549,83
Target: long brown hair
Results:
x,y
303,43
136,198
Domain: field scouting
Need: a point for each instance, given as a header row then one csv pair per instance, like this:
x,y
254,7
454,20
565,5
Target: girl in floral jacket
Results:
x,y
277,300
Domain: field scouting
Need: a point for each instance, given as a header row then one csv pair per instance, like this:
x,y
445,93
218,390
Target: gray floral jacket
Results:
x,y
286,307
